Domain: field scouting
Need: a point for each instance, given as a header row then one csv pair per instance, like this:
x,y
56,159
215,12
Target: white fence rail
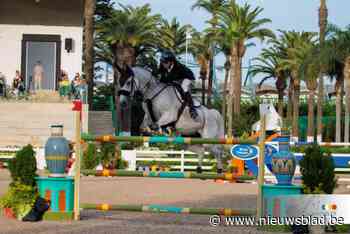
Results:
x,y
10,152
134,156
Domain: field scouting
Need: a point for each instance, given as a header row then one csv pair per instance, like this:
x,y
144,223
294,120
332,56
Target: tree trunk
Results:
x,y
238,83
210,82
231,91
224,99
290,103
203,90
338,111
203,74
295,126
323,14
89,12
116,99
280,103
347,100
310,117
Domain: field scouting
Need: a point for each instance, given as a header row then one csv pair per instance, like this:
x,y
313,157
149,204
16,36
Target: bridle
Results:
x,y
134,87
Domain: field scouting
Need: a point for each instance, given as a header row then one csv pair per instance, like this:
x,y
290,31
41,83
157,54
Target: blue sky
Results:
x,y
285,14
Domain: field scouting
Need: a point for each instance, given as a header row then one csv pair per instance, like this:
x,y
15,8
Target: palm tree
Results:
x,y
172,36
310,68
200,48
323,14
338,50
347,105
343,40
129,32
89,11
296,54
269,65
240,24
335,70
281,44
213,7
225,48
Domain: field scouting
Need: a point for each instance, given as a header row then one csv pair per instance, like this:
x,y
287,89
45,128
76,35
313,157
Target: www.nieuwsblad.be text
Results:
x,y
217,220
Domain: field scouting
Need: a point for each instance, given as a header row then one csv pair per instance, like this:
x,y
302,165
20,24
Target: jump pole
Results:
x,y
167,174
168,209
166,139
77,108
261,160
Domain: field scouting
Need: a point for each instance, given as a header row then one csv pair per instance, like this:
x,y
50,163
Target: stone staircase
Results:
x,y
100,123
22,123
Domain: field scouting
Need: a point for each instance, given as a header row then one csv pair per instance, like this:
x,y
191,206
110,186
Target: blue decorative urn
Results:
x,y
56,152
283,162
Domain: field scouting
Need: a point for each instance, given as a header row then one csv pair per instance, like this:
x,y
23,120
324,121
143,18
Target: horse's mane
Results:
x,y
144,72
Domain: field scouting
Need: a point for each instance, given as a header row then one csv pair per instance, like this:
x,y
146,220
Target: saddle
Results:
x,y
180,95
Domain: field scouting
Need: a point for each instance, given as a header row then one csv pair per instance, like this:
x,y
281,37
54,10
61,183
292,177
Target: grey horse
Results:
x,y
166,103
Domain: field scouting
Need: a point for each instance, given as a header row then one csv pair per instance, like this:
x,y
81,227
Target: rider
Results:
x,y
173,72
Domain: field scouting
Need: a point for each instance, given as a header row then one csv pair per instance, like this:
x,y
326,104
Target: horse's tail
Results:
x,y
220,123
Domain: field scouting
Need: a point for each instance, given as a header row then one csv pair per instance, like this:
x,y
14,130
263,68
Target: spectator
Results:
x,y
75,86
64,84
18,84
2,85
83,91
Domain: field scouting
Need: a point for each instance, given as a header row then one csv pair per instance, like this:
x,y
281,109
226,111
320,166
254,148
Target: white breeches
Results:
x,y
186,85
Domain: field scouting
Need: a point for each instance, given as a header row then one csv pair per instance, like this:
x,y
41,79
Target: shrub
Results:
x,y
90,159
23,166
107,153
317,169
20,197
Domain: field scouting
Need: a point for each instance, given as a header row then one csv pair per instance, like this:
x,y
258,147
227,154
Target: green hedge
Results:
x,y
339,150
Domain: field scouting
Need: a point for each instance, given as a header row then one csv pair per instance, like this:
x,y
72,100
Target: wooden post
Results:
x,y
182,160
261,163
77,114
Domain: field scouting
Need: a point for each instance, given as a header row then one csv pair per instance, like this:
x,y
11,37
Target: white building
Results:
x,y
45,31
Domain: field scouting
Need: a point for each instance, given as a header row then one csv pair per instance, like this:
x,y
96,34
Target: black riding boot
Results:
x,y
189,102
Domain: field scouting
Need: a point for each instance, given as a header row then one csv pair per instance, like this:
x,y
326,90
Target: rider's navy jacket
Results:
x,y
177,73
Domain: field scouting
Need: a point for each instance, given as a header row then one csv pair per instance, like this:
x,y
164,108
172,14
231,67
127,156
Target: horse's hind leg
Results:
x,y
199,150
217,150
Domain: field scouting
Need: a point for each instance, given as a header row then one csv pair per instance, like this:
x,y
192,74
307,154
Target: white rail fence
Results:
x,y
135,156
7,153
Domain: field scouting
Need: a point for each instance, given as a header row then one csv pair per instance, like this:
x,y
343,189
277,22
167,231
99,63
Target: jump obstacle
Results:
x,y
160,139
166,139
171,140
167,174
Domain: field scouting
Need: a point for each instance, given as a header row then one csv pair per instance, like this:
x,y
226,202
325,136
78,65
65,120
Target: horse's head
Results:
x,y
135,85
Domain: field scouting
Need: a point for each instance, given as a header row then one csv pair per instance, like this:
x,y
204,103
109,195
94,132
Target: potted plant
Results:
x,y
22,193
317,170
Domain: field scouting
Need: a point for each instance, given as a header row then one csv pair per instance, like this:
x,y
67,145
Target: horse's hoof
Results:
x,y
169,131
199,170
219,170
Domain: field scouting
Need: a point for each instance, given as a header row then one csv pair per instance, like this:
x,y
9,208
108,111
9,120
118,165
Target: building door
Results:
x,y
41,61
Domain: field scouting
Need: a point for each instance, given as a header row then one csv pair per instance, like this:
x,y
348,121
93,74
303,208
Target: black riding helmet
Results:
x,y
167,56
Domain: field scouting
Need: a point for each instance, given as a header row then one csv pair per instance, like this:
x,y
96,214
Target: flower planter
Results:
x,y
154,168
8,212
